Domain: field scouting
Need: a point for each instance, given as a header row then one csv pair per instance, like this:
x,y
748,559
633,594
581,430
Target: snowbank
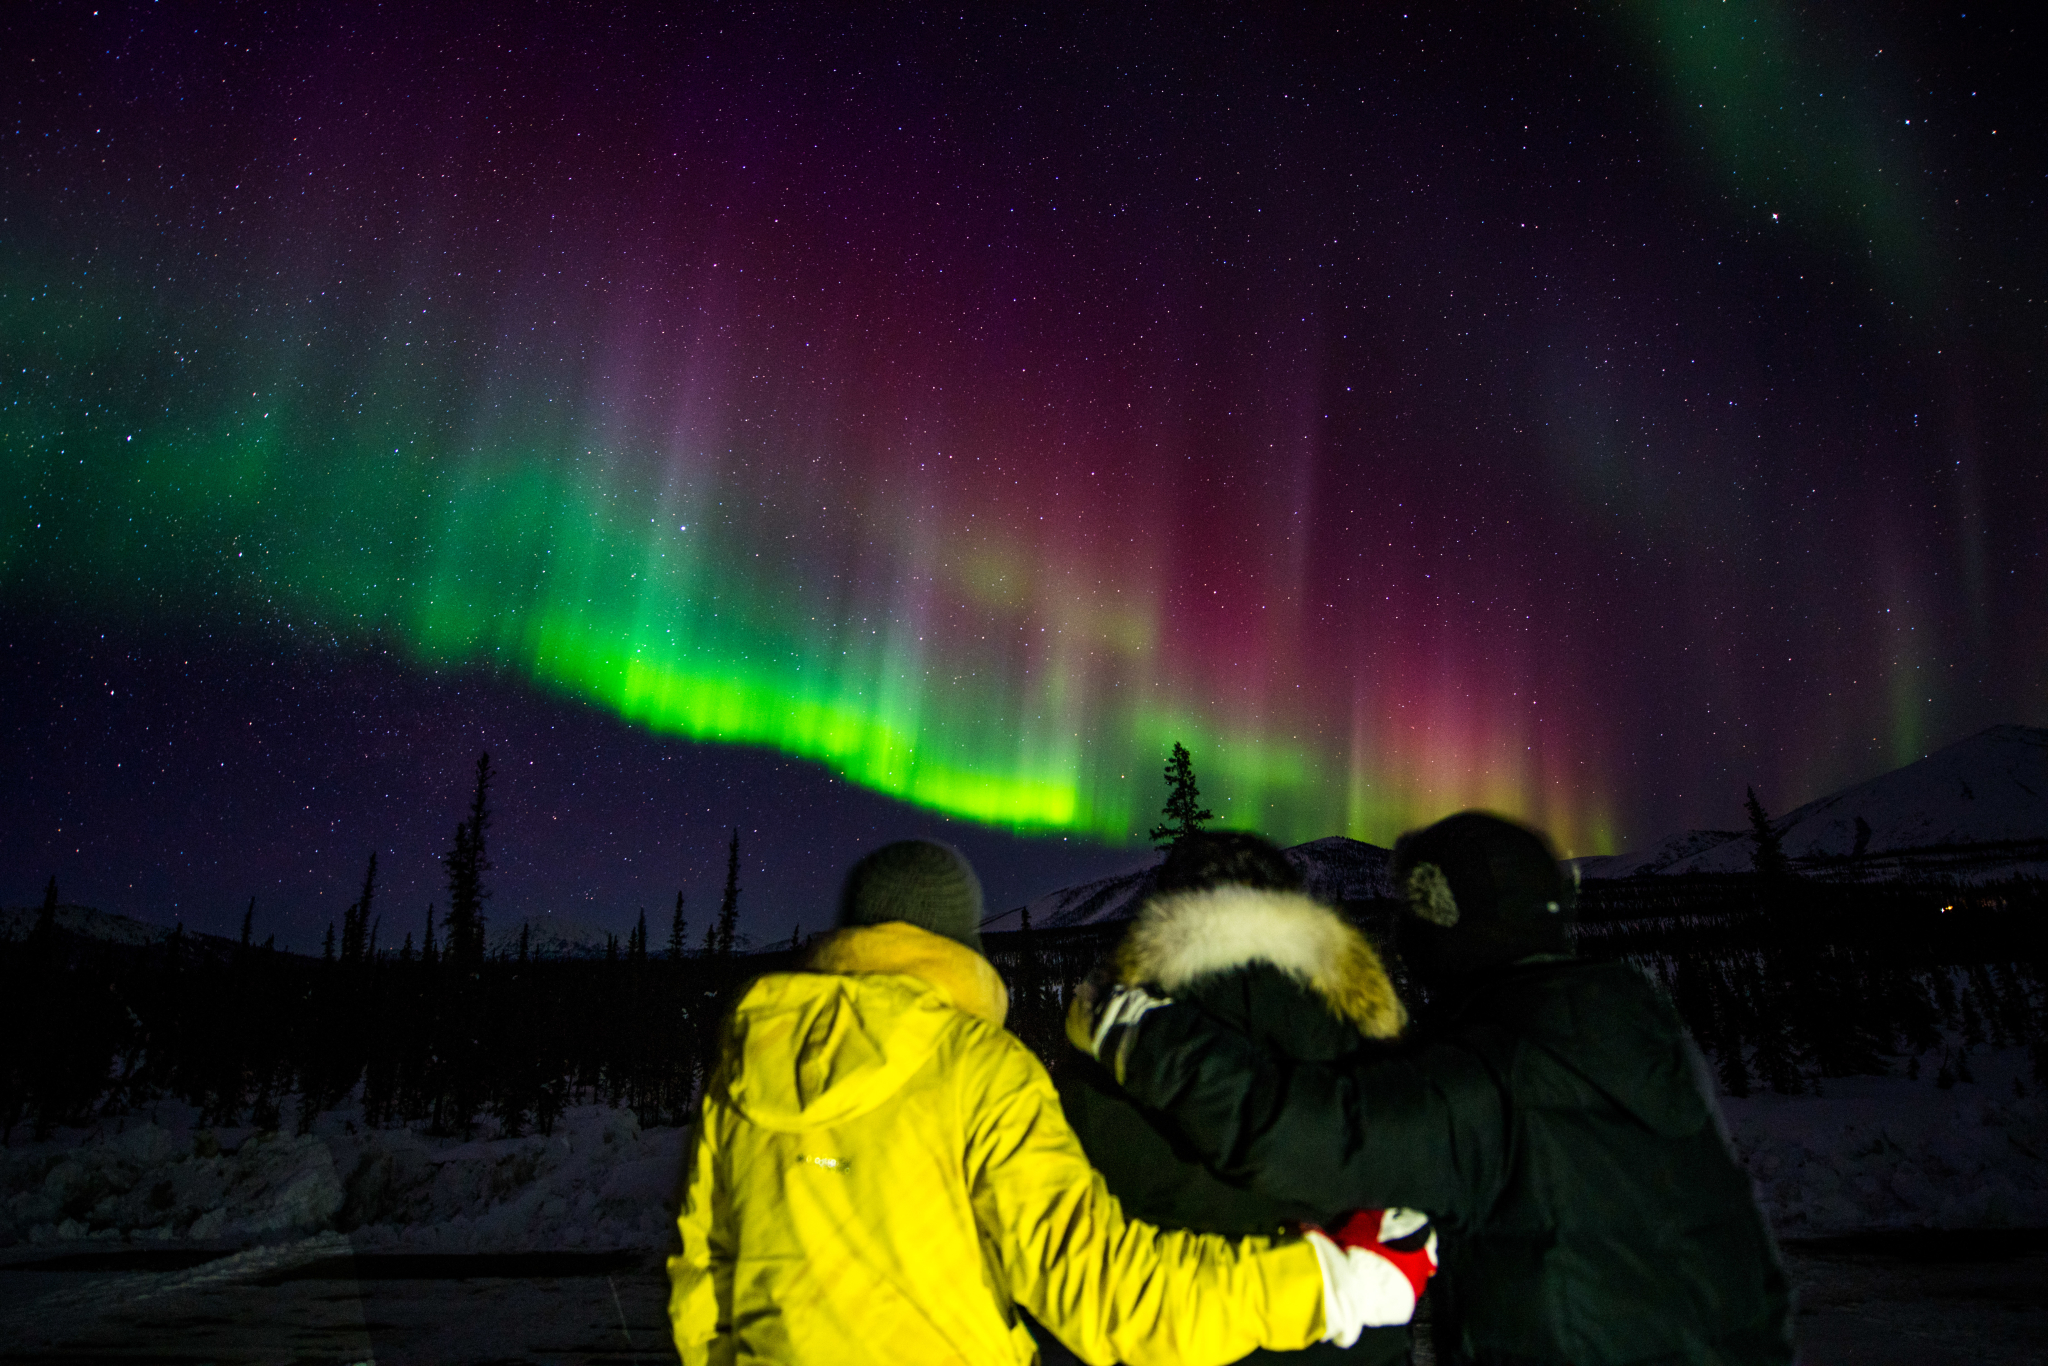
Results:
x,y
1886,1152
1868,1153
599,1182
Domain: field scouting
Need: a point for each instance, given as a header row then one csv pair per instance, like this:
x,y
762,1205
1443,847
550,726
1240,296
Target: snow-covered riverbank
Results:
x,y
1889,1153
1869,1153
598,1182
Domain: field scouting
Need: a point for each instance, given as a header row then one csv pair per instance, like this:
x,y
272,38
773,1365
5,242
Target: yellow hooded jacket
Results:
x,y
881,1172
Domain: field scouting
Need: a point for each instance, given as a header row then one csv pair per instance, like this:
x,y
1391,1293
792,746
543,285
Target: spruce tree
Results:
x,y
466,864
327,953
1776,1055
1184,811
636,943
1734,1072
248,922
428,953
356,924
677,928
1770,851
46,919
729,907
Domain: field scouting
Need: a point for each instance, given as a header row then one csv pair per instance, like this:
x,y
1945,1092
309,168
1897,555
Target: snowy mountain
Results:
x,y
87,923
1335,870
550,937
1974,811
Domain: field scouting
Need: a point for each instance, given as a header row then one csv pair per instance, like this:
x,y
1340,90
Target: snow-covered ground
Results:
x,y
1889,1153
120,1241
1868,1153
598,1182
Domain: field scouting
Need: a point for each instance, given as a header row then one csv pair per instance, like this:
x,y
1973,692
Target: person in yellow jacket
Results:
x,y
882,1173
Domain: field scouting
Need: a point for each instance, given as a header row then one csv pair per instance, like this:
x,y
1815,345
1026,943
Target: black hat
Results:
x,y
921,882
1213,858
1485,891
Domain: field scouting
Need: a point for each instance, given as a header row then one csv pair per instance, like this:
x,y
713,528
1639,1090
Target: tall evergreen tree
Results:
x,y
1770,850
729,906
46,919
248,922
525,931
327,952
466,865
356,924
428,953
1184,811
636,943
1733,1069
677,930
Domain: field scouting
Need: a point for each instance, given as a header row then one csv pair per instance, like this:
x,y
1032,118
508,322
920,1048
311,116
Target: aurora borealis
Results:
x,y
1586,417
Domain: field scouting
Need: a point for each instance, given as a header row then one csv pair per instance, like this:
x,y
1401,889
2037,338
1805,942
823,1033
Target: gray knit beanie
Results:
x,y
921,882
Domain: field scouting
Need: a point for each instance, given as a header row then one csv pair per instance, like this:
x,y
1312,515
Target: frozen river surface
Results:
x,y
1924,1299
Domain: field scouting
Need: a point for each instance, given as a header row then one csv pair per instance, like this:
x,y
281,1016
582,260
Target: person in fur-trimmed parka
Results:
x,y
1553,1117
1227,926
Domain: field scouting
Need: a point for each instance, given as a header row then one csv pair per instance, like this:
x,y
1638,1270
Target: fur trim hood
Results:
x,y
1182,937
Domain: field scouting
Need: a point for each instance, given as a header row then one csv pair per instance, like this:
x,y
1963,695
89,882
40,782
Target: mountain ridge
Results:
x,y
1974,810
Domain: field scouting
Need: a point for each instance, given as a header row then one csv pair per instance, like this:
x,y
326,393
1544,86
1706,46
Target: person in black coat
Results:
x,y
1551,1115
1227,925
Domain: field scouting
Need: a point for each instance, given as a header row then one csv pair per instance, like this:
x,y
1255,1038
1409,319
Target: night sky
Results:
x,y
842,426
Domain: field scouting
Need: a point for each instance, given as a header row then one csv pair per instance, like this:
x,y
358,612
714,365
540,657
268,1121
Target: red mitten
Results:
x,y
1403,1236
1374,1266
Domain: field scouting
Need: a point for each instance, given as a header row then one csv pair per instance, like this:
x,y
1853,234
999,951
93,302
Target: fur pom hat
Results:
x,y
1484,890
920,882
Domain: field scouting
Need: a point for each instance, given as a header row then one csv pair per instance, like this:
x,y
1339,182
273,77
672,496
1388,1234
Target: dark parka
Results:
x,y
1295,979
1554,1122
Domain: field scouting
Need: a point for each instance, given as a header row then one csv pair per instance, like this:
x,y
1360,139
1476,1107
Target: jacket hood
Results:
x,y
811,1049
1181,939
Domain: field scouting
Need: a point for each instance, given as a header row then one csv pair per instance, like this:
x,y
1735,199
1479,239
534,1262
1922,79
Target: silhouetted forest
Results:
x,y
1784,983
432,1041
1787,982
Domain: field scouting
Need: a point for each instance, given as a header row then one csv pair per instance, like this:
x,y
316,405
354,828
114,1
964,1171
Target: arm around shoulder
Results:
x,y
1423,1129
1114,1288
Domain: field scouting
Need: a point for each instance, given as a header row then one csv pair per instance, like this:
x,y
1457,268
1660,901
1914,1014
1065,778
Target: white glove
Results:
x,y
1367,1284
